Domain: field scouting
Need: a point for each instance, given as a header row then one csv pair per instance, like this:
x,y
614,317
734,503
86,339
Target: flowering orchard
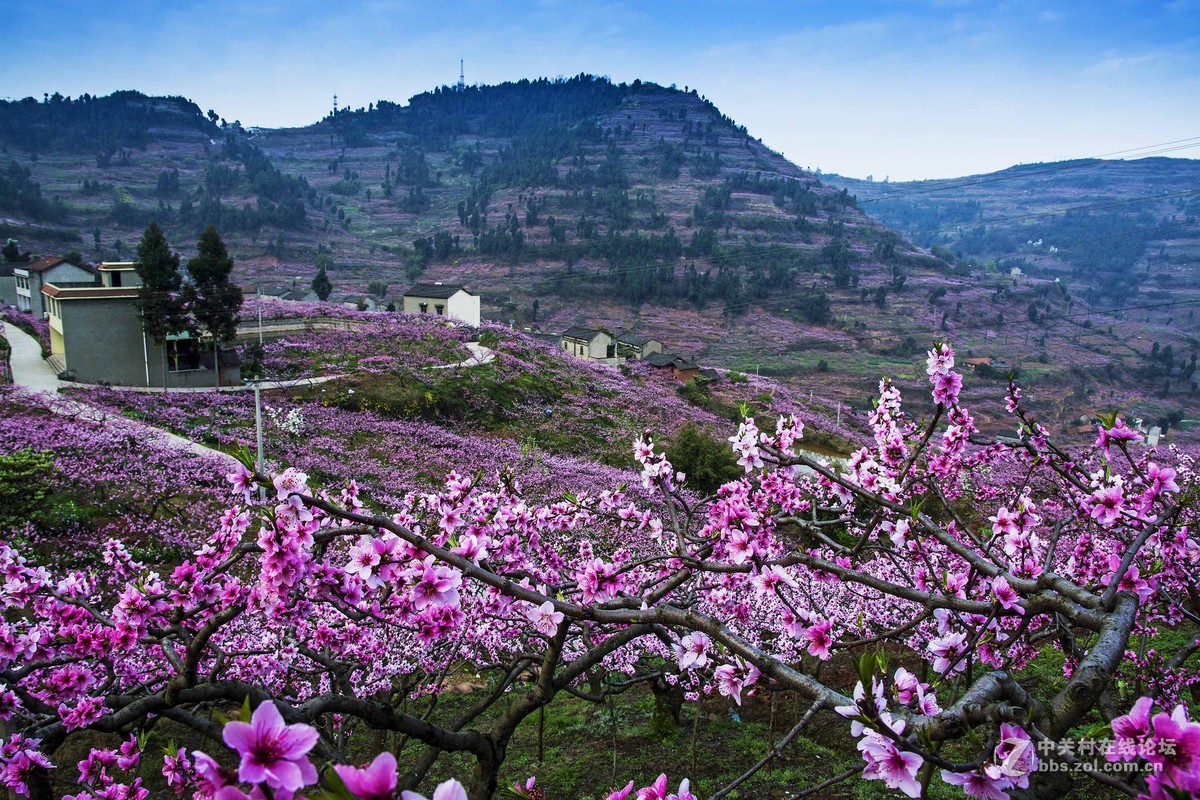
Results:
x,y
326,615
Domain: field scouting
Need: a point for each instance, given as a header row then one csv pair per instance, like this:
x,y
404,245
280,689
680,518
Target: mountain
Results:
x,y
1123,235
563,202
1126,229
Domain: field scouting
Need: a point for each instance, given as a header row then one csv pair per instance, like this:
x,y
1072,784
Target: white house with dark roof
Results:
x,y
630,345
450,300
588,343
30,278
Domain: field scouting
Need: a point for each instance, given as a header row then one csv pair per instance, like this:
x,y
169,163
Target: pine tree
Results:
x,y
159,301
321,285
213,301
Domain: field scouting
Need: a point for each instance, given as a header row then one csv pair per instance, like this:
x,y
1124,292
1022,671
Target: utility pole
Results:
x,y
262,490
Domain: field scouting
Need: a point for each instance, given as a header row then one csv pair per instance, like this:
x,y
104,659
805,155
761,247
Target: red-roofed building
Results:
x,y
30,278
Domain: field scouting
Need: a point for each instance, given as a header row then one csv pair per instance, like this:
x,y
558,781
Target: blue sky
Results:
x,y
891,88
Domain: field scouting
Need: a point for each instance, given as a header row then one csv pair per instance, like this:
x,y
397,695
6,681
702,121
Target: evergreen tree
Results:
x,y
321,285
159,301
213,301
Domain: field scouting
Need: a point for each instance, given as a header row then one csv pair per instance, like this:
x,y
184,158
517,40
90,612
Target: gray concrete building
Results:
x,y
96,334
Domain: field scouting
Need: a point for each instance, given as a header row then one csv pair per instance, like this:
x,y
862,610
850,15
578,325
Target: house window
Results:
x,y
183,354
440,309
116,279
424,308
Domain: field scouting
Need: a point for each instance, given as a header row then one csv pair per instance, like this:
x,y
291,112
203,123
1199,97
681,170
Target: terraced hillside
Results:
x,y
1123,235
573,202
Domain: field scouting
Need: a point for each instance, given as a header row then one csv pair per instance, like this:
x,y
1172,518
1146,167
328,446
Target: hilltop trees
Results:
x,y
160,301
935,566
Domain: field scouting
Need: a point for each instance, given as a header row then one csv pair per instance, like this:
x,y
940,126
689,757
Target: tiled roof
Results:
x,y
42,264
632,339
441,291
89,292
578,332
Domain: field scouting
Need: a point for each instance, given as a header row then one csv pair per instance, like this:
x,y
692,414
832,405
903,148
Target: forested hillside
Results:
x,y
580,201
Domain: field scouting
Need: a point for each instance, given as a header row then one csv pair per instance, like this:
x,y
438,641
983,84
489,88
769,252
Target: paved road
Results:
x,y
29,370
33,374
479,355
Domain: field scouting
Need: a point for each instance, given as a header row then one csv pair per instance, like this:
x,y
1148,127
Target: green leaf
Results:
x,y
866,670
337,787
245,713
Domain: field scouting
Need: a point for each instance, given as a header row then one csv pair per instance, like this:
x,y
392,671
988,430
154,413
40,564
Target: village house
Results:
x,y
96,335
630,345
30,278
682,369
588,343
361,302
450,300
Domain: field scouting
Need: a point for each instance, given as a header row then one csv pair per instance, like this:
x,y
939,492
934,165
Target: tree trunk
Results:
x,y
486,779
668,704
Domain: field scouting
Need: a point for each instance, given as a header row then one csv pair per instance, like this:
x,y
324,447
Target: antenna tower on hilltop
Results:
x,y
335,105
462,78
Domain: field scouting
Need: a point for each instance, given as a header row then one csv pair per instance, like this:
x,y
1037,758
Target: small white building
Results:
x,y
588,343
450,300
630,345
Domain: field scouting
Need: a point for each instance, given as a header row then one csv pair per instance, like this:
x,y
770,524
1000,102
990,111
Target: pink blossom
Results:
x,y
175,769
437,585
1104,505
1130,730
693,651
656,791
885,762
1178,753
620,794
732,678
544,618
819,640
448,790
290,481
946,388
977,784
376,781
1005,595
1118,434
948,651
242,482
271,751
